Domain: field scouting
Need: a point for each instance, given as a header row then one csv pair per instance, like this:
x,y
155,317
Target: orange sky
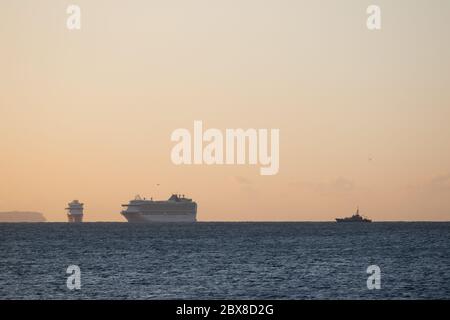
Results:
x,y
363,116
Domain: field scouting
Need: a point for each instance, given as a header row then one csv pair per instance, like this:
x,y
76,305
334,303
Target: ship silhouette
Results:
x,y
177,208
354,218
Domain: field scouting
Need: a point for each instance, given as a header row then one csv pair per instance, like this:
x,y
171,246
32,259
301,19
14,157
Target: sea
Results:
x,y
305,260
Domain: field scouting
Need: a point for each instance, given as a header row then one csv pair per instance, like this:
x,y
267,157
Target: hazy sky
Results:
x,y
363,115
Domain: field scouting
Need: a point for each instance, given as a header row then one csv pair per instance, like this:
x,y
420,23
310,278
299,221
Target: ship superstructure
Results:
x,y
177,208
354,218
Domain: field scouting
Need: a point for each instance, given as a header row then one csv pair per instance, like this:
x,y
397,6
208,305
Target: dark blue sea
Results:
x,y
225,260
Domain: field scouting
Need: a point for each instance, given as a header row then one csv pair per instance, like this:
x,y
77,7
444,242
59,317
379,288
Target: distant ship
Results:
x,y
176,209
75,211
354,218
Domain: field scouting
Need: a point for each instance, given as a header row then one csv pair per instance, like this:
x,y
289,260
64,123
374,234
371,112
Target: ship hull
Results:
x,y
75,218
352,221
159,218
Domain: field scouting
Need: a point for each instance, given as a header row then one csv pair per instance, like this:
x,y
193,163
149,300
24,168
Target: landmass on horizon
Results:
x,y
22,216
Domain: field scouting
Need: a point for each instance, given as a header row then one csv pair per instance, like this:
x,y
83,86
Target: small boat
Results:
x,y
354,218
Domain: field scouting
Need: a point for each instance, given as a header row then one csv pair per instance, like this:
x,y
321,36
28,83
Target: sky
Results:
x,y
363,115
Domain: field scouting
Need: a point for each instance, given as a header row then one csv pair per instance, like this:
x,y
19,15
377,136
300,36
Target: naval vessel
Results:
x,y
354,218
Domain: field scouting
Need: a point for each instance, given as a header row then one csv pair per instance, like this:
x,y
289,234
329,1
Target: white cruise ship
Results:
x,y
176,209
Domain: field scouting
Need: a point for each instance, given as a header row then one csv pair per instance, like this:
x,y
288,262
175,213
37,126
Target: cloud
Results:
x,y
245,185
338,186
435,185
439,183
241,180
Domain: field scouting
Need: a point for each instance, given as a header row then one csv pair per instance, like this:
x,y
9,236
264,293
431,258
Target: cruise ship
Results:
x,y
75,211
176,209
354,218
